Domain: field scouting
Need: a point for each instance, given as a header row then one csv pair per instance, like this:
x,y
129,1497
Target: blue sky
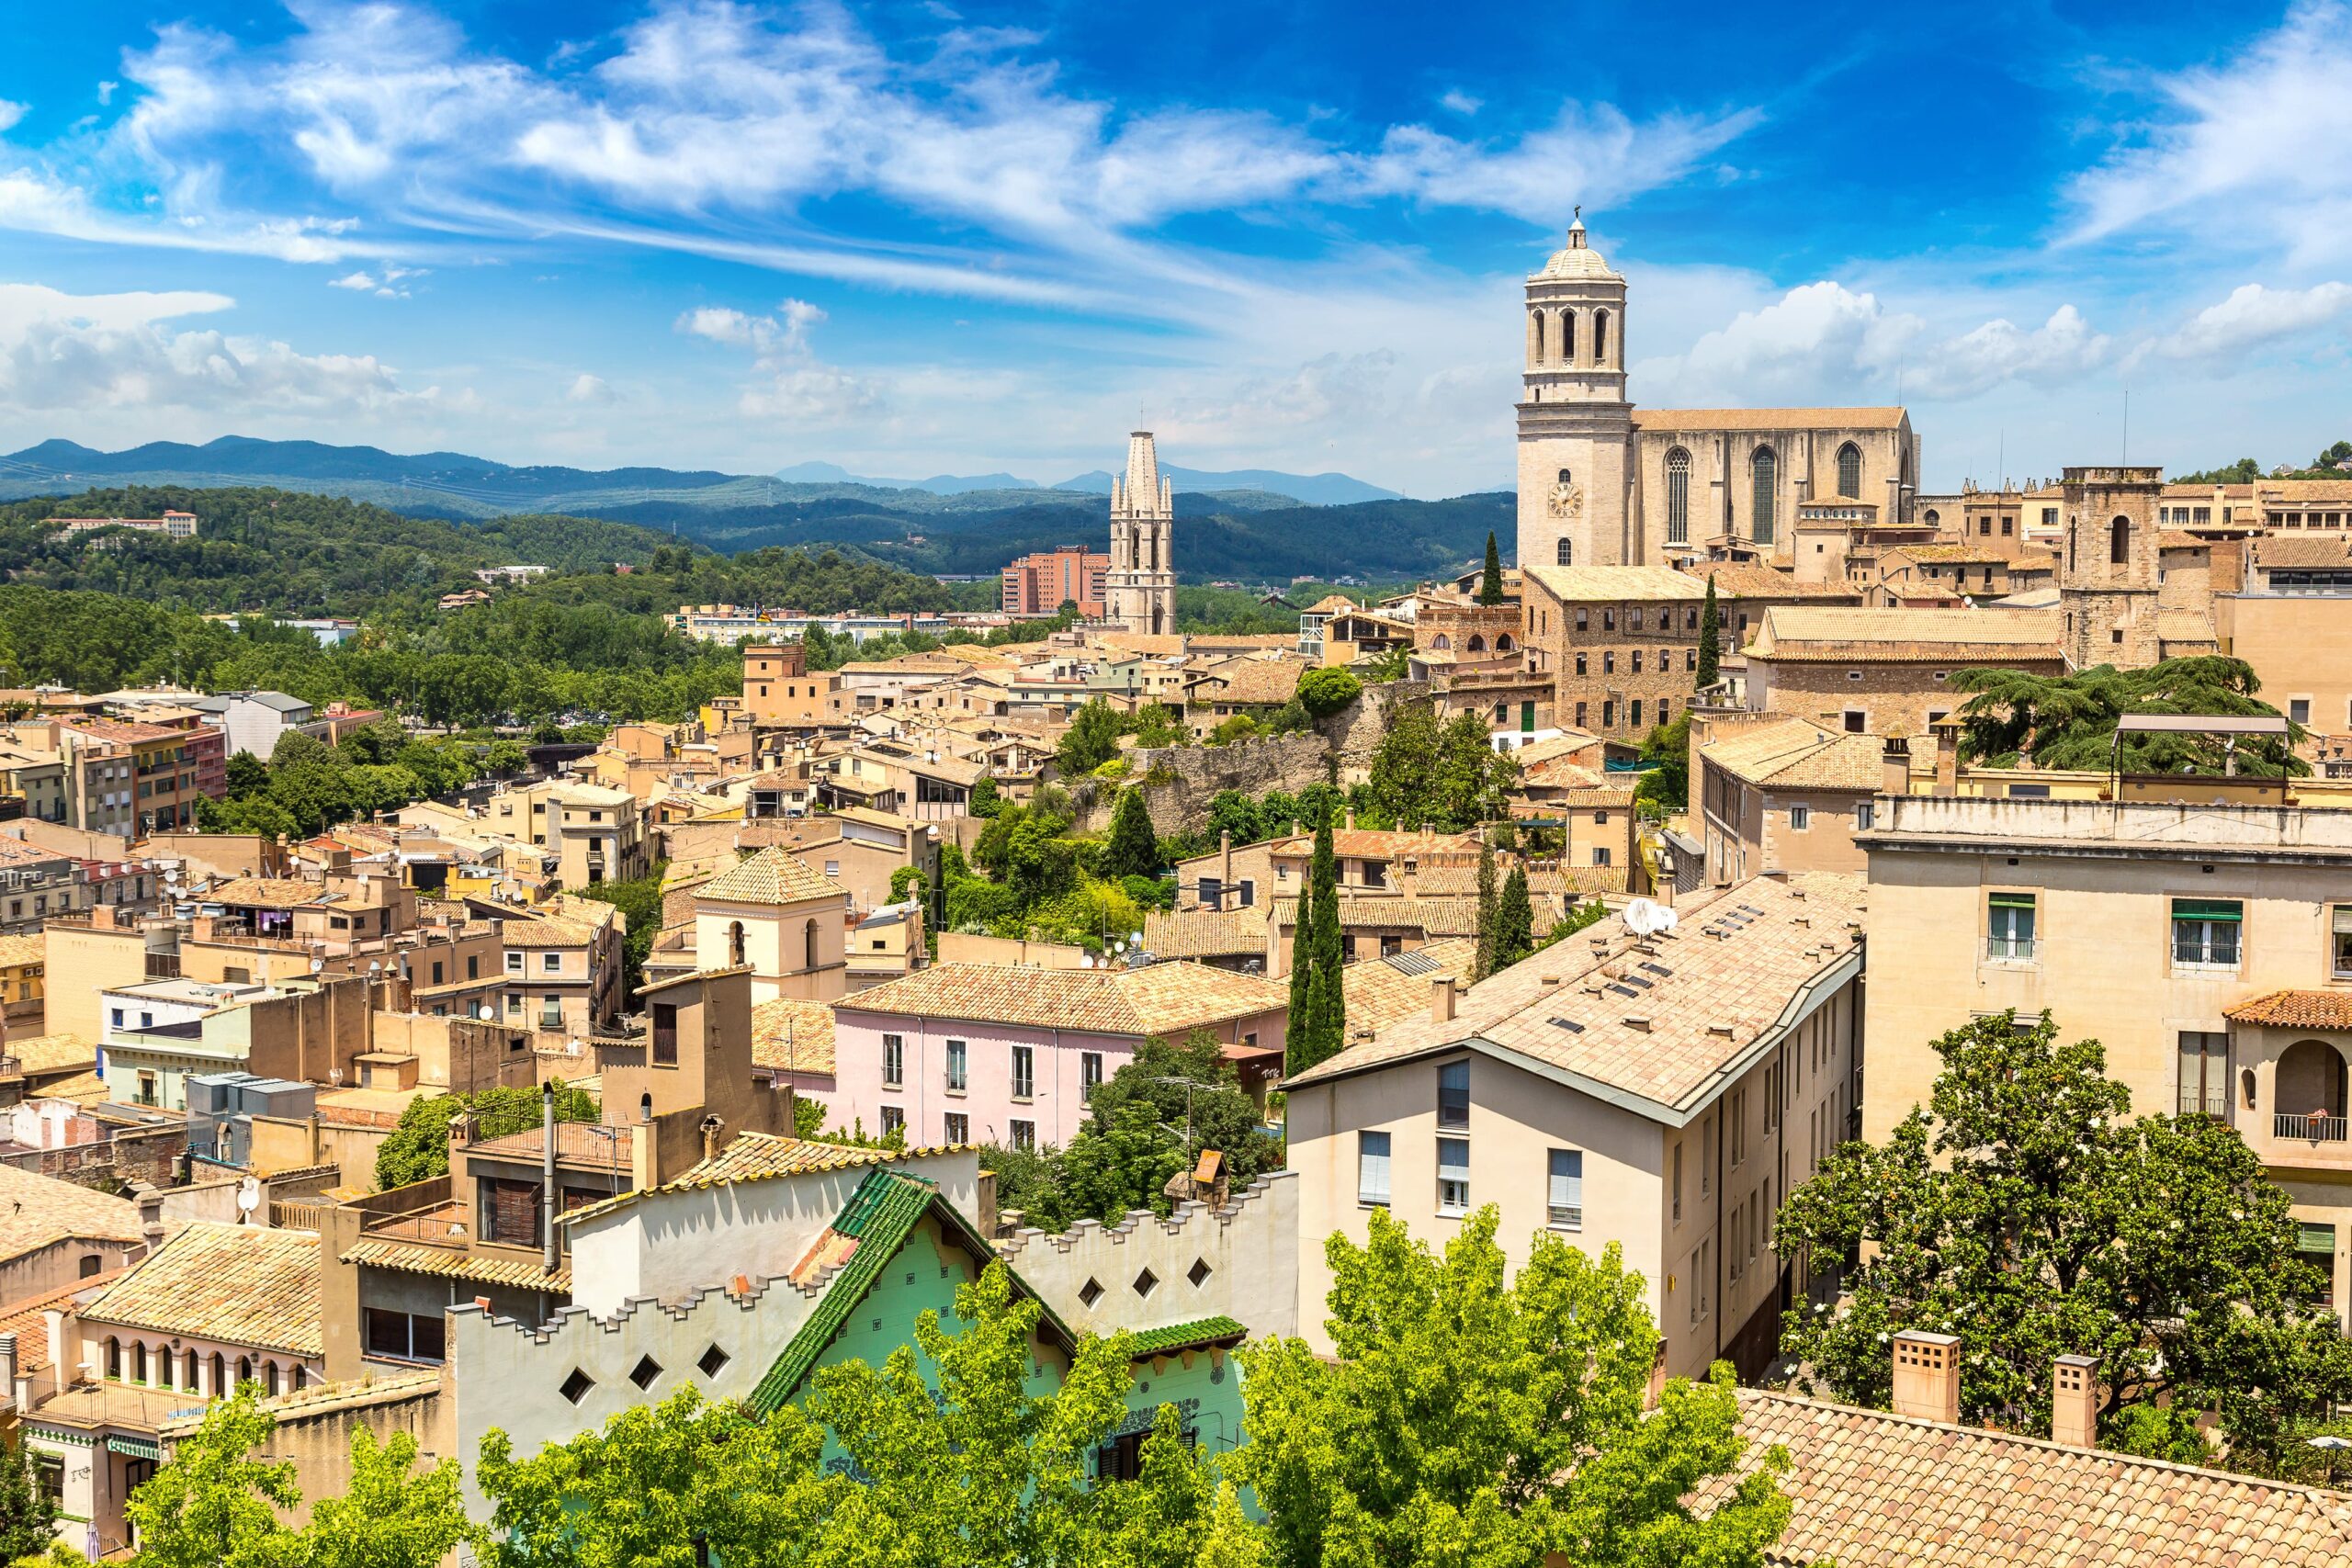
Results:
x,y
927,238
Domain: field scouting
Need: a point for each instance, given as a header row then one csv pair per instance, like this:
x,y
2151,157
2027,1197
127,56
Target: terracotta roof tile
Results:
x,y
1657,1020
25,1320
1379,991
1873,1490
243,1284
1768,418
1401,912
449,1263
1617,583
1946,637
2302,550
1800,754
759,1156
268,892
61,1052
1157,999
1205,933
1753,579
792,1035
775,875
2296,1010
36,1210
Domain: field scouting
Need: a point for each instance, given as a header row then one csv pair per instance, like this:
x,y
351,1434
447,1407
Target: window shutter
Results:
x,y
2013,900
2207,910
2309,1237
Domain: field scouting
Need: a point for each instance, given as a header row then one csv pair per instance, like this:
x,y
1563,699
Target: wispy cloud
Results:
x,y
789,382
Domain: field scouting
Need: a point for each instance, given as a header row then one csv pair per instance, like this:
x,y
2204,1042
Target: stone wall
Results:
x,y
140,1154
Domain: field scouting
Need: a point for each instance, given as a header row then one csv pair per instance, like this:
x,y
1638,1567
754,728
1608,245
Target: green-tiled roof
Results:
x,y
1189,1336
881,1215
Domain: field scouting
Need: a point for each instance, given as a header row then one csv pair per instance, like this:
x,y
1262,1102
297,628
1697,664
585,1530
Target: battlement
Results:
x,y
2114,477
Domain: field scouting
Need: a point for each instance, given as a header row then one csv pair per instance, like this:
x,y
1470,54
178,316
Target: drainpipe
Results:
x,y
548,1257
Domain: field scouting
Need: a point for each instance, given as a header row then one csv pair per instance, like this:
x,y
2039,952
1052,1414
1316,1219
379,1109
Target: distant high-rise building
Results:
x,y
1142,582
1041,583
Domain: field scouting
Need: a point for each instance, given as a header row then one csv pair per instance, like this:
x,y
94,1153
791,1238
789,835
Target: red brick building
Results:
x,y
1039,584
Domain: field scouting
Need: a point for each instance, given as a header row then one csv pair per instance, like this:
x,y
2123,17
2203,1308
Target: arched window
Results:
x,y
1564,552
645,1105
2118,542
114,1356
1442,643
1678,496
734,943
269,1378
1475,645
1600,337
139,1363
1849,470
1568,348
2310,1081
189,1381
1535,337
219,1375
244,1370
1765,470
1566,476
1932,518
808,945
1503,643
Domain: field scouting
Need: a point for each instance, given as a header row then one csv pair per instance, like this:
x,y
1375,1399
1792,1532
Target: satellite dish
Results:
x,y
1644,918
248,1195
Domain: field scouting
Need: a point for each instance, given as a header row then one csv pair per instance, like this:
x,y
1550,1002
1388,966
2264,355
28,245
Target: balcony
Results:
x,y
2009,949
2310,1128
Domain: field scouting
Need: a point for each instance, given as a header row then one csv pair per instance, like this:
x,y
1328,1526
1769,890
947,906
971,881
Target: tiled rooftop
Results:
x,y
450,1263
1890,417
36,1210
1205,933
1617,583
1657,1020
2296,1010
243,1284
1158,999
773,875
1872,1490
1379,991
268,892
758,1157
1804,633
1801,754
792,1035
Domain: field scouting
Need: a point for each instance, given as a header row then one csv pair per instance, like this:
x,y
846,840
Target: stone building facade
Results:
x,y
2107,575
1618,644
1140,588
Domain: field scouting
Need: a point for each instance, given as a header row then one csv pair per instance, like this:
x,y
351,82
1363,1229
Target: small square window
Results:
x,y
1146,1282
645,1371
712,1360
1199,1272
575,1387
1090,1292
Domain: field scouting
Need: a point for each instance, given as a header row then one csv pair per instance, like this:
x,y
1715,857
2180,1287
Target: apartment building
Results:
x,y
1882,671
2207,944
780,691
1038,585
2292,621
1620,644
563,963
595,834
1775,795
129,778
35,883
1662,1092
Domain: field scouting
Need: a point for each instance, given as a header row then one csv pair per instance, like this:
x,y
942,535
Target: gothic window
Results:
x,y
2118,542
1567,354
1534,337
1600,337
1564,553
1475,645
1765,470
1503,643
734,943
1849,469
1441,643
1678,496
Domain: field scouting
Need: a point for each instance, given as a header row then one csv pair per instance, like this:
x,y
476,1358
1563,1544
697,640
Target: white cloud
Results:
x,y
2253,315
120,353
1460,102
360,282
789,382
2260,138
590,390
107,92
10,113
1590,155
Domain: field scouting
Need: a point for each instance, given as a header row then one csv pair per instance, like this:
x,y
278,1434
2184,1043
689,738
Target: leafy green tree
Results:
x,y
2244,471
1147,1123
1468,784
1488,908
1490,582
1401,780
659,1487
2069,721
1393,665
1467,1421
1240,726
28,1514
1323,1030
248,775
1589,913
390,1512
985,801
1667,787
1326,691
967,1466
1299,1026
417,1149
506,758
1711,639
1131,849
1092,739
639,898
2032,1217
1514,920
215,1505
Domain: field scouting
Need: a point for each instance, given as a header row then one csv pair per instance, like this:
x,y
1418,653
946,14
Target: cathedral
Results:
x,y
1603,483
1140,591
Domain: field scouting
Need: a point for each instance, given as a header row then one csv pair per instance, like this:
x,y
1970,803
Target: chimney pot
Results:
x,y
2074,1402
1442,999
1927,1376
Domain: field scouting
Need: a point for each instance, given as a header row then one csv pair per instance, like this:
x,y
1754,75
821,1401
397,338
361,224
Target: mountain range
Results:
x,y
1313,490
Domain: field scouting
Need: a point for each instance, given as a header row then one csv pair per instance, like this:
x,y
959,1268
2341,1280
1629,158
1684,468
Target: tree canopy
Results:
x,y
2033,1216
2069,721
418,1147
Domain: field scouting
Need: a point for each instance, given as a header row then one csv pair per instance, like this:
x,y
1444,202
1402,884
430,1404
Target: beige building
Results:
x,y
1618,644
782,917
1602,484
2207,945
596,834
1783,794
1662,1093
1887,672
2292,621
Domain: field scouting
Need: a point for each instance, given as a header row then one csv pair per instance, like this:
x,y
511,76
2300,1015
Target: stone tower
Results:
x,y
1140,592
1575,429
2107,575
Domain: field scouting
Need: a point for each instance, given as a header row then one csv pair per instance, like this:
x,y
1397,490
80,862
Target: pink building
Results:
x,y
1003,1054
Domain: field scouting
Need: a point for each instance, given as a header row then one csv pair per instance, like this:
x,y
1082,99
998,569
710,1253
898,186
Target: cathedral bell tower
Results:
x,y
1575,429
1140,589
2108,577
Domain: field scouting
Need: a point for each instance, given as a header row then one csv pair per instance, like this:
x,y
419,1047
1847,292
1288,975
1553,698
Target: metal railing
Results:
x,y
2315,1129
2019,948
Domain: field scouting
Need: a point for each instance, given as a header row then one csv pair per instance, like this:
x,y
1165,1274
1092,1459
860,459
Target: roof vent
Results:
x,y
1720,1030
1638,1020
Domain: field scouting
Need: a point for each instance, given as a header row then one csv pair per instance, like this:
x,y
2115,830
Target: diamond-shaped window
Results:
x,y
575,1387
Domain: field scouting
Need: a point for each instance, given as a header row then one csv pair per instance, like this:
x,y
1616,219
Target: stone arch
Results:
x,y
1600,337
1764,473
1442,643
1504,643
808,945
2118,542
1475,645
1566,352
1849,470
735,943
2311,1079
1678,496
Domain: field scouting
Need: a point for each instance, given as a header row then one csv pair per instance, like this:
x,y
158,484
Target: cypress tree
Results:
x,y
1325,1004
1514,920
1711,650
1298,1035
1133,848
1484,963
1490,584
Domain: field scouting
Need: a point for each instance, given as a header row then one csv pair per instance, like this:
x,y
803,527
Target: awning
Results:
x,y
134,1447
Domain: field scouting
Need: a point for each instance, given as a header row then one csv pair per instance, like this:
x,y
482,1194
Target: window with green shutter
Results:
x,y
2010,926
2205,931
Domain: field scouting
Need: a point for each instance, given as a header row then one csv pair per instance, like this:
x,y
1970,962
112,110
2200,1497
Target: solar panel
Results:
x,y
1571,1026
1624,990
1415,962
1661,970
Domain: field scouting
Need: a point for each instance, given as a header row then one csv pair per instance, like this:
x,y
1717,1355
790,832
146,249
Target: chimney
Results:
x,y
710,1130
2074,1402
1947,758
1442,999
550,1256
8,1366
1223,864
1897,762
1927,1376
